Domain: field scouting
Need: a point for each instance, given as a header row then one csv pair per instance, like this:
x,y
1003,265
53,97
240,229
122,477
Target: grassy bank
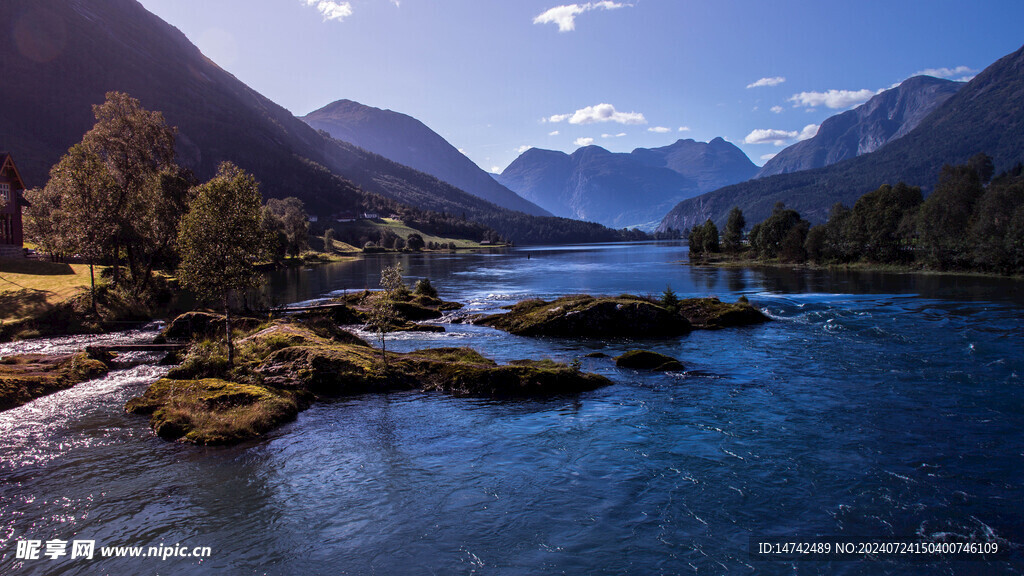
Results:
x,y
29,288
744,260
373,228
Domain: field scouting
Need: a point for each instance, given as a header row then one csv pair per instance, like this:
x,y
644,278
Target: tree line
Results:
x,y
972,221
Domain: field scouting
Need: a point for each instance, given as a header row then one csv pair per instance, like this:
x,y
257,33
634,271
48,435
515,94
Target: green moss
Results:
x,y
281,366
26,377
711,313
213,411
589,317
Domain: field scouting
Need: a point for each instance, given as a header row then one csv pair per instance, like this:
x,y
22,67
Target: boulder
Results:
x,y
589,317
647,360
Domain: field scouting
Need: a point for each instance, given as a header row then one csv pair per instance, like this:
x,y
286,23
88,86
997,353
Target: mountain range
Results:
x,y
62,56
619,189
887,116
408,141
985,115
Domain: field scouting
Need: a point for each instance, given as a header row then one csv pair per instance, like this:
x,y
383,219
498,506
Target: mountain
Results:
x,y
408,141
62,56
619,189
596,185
711,165
885,117
986,115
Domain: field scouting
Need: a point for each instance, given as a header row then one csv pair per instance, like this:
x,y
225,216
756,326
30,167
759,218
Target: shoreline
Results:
x,y
727,262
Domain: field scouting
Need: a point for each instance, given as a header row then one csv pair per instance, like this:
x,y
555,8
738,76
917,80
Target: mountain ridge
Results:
x,y
986,115
887,116
624,189
407,141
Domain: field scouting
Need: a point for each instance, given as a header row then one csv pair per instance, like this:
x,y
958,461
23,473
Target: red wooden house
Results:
x,y
11,203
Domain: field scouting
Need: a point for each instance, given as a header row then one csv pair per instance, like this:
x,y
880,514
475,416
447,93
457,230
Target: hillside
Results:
x,y
885,117
64,55
986,115
408,141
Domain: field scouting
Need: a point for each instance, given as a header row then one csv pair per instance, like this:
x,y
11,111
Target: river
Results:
x,y
875,407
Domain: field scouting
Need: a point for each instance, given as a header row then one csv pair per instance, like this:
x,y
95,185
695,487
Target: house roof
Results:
x,y
7,163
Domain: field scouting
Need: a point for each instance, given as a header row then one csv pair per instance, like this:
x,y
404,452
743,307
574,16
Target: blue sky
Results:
x,y
497,76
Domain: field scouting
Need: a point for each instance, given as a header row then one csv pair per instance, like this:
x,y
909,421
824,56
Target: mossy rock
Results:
x,y
198,325
26,377
647,360
712,313
589,317
214,411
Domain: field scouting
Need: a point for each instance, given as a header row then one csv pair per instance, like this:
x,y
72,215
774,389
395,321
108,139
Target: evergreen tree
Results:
x,y
732,239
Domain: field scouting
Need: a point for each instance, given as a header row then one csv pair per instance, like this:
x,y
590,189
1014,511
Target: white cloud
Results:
x,y
774,81
553,133
659,129
522,149
462,151
834,99
809,131
583,141
767,157
963,71
332,10
565,15
684,128
495,169
770,136
599,113
777,109
619,135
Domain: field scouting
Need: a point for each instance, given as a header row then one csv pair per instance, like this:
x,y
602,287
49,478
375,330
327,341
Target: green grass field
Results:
x,y
400,229
28,287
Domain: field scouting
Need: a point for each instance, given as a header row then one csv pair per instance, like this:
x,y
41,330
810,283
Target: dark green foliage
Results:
x,y
768,238
669,299
791,249
414,241
287,219
703,239
732,239
963,225
878,227
425,288
946,215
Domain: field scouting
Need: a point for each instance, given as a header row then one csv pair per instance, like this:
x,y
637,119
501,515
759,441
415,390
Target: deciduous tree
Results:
x,y
221,239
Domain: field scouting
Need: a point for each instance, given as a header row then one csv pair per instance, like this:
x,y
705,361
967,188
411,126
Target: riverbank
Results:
x,y
744,261
27,377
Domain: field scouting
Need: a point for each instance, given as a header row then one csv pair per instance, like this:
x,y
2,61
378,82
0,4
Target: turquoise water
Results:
x,y
875,407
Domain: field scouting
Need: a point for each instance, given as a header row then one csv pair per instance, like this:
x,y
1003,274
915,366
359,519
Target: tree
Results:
x,y
116,193
414,241
135,146
732,239
703,239
329,241
945,216
669,299
291,221
383,315
766,237
221,239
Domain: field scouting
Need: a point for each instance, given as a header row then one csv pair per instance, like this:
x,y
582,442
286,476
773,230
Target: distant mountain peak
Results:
x,y
619,189
404,139
887,116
